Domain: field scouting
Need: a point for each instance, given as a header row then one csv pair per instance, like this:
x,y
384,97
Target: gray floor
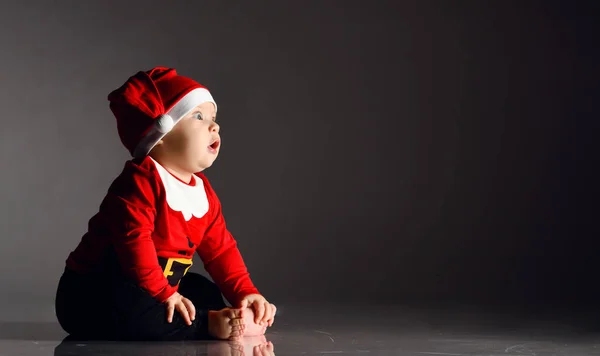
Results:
x,y
350,331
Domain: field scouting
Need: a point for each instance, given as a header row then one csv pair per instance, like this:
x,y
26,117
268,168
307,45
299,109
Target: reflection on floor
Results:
x,y
346,331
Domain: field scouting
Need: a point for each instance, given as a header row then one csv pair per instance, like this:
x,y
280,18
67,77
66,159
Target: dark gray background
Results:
x,y
374,152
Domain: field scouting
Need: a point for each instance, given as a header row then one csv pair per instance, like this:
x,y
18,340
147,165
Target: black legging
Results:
x,y
101,308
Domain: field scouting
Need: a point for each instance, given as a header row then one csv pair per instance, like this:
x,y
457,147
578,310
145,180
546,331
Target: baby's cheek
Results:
x,y
199,146
176,143
189,143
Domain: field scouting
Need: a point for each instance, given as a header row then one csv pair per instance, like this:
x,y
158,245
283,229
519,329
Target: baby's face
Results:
x,y
194,143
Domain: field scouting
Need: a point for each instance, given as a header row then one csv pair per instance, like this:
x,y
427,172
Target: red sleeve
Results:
x,y
221,257
130,210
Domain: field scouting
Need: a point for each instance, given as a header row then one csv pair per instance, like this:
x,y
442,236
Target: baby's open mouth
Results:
x,y
214,145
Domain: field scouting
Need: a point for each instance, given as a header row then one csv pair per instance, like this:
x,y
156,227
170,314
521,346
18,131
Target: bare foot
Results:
x,y
226,323
250,327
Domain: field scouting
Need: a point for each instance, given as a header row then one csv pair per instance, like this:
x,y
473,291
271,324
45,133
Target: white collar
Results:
x,y
190,200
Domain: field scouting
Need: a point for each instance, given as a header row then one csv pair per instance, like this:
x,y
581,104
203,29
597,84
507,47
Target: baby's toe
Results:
x,y
236,322
236,334
234,313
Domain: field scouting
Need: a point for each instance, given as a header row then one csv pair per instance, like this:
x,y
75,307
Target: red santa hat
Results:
x,y
149,104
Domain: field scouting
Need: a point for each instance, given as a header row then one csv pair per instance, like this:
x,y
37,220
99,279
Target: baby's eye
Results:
x,y
198,116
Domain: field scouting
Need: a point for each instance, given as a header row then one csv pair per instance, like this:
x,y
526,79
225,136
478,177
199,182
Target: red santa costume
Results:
x,y
149,226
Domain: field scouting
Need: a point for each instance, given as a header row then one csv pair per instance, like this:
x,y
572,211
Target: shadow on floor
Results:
x,y
248,346
27,331
52,332
351,331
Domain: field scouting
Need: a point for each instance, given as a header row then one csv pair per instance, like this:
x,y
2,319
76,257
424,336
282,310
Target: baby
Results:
x,y
128,277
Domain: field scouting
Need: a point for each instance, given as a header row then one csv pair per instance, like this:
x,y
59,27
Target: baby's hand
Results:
x,y
264,312
183,305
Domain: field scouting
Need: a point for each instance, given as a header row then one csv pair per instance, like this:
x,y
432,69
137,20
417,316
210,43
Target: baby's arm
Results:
x,y
221,257
223,261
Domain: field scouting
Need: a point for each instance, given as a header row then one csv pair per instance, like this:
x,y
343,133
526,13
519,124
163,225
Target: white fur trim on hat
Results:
x,y
165,123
